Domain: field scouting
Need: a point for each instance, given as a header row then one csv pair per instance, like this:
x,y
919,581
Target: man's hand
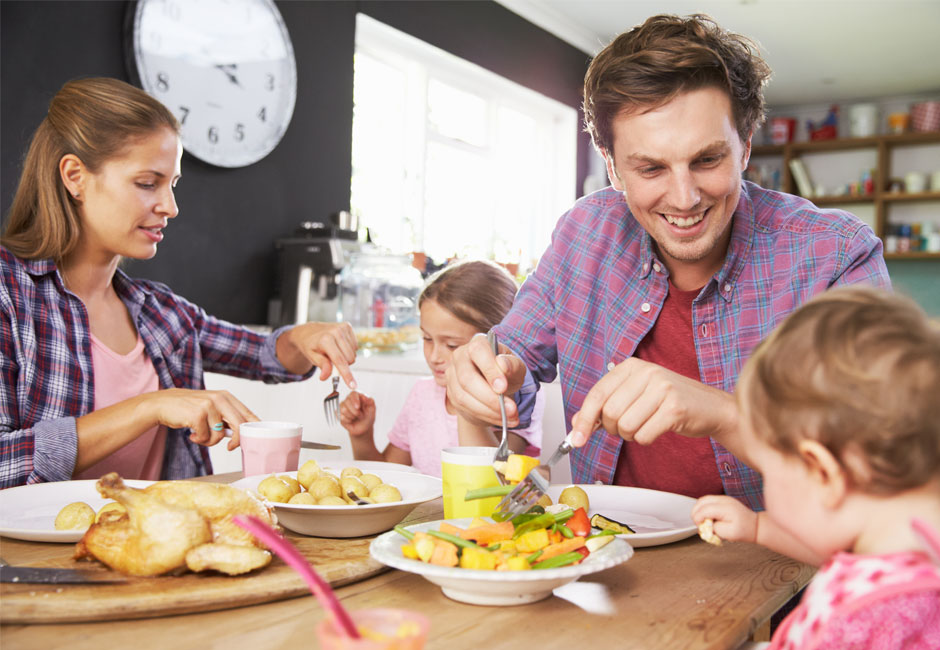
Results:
x,y
476,378
640,401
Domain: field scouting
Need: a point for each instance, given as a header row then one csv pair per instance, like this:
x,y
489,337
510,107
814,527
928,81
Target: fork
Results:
x,y
331,404
531,488
502,452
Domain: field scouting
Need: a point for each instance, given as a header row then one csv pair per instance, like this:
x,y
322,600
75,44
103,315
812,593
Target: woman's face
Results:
x,y
128,202
442,333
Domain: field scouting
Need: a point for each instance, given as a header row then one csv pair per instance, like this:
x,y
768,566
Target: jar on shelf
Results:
x,y
379,298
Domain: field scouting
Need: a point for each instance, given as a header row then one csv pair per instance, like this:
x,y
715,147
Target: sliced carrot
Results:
x,y
489,534
451,529
445,553
566,545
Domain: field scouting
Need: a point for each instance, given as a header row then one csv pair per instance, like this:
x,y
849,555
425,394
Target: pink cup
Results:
x,y
381,629
270,447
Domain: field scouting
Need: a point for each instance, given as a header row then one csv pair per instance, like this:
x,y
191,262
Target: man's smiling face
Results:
x,y
679,166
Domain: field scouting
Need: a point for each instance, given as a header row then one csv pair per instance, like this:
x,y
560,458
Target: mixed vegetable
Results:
x,y
538,539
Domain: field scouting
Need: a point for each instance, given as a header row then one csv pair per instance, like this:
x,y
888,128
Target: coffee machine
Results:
x,y
308,266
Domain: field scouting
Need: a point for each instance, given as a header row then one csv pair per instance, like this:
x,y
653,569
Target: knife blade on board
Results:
x,y
44,575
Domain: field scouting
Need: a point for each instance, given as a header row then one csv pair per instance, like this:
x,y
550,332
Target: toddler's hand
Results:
x,y
734,521
357,413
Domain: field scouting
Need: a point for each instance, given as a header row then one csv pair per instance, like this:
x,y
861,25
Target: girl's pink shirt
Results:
x,y
119,377
424,427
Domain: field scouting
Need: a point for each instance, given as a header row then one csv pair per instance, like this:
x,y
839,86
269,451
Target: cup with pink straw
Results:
x,y
366,629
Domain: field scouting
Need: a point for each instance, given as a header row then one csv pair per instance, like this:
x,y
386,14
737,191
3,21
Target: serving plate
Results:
x,y
28,512
352,521
479,587
657,517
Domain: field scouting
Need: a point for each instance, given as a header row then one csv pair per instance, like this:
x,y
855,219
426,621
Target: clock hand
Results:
x,y
228,70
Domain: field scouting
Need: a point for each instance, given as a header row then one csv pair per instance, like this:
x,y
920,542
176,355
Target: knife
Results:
x,y
30,574
304,444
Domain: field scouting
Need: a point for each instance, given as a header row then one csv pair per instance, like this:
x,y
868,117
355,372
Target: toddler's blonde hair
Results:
x,y
858,370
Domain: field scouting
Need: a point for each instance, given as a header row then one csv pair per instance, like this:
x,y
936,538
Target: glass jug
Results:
x,y
379,298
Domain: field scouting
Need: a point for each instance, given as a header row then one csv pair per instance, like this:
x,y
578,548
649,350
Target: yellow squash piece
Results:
x,y
473,558
518,467
532,541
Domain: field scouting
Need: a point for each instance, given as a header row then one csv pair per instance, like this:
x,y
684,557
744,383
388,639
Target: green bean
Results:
x,y
404,532
565,531
453,539
487,492
558,561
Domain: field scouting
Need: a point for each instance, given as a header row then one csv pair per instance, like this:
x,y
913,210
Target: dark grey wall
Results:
x,y
219,251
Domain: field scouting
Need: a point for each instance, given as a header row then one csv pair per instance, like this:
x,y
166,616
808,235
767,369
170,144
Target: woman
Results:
x,y
99,371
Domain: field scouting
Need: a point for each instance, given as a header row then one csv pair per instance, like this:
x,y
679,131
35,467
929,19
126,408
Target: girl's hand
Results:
x,y
206,412
324,345
734,521
357,414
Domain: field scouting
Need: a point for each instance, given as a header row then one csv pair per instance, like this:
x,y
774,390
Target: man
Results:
x,y
655,290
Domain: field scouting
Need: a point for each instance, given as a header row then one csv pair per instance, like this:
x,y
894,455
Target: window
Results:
x,y
450,159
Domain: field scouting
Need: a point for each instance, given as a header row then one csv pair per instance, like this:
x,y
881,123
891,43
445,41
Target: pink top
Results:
x,y
424,427
119,377
888,602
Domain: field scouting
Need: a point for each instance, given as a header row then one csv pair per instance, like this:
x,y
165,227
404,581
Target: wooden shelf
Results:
x,y
912,255
882,146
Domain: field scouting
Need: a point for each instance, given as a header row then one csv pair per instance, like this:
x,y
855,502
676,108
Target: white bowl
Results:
x,y
352,521
479,587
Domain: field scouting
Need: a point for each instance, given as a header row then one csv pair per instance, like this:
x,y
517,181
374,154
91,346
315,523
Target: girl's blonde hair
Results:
x,y
858,370
477,292
96,119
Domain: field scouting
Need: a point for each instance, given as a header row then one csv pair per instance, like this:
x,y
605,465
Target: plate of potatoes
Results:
x,y
60,511
342,499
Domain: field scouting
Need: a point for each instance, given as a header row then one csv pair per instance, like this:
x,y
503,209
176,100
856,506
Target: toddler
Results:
x,y
840,411
458,302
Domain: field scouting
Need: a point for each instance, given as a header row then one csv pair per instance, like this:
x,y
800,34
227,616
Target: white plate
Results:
x,y
367,466
657,517
29,511
353,521
479,587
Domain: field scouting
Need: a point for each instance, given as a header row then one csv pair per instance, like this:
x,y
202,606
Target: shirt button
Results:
x,y
727,288
727,469
704,329
646,267
598,482
611,366
645,307
657,268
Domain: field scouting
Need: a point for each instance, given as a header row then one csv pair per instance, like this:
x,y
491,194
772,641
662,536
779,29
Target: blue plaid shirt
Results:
x,y
599,287
46,373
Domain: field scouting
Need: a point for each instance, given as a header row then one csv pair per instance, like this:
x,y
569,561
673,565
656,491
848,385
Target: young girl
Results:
x,y
840,413
458,302
101,372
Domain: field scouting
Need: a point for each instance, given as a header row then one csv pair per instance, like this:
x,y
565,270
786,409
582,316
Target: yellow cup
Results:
x,y
467,468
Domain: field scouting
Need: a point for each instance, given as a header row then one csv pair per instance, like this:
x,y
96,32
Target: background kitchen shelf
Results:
x,y
882,146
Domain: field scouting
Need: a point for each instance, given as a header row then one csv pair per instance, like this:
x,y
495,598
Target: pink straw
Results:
x,y
318,586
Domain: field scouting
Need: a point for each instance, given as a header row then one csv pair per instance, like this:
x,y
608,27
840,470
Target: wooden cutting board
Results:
x,y
338,561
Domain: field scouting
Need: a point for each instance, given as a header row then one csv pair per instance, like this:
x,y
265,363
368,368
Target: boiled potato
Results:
x,y
353,484
75,516
545,501
303,498
385,493
350,471
574,497
331,501
292,483
274,489
308,473
325,487
114,507
370,481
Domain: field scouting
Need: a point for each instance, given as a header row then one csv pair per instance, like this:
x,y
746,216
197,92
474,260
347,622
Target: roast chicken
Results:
x,y
173,525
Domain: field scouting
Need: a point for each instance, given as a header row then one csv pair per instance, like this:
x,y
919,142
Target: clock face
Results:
x,y
225,68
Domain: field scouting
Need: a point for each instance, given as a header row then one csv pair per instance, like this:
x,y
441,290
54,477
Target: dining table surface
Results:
x,y
684,595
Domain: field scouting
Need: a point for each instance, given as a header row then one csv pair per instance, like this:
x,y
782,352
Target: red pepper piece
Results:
x,y
579,524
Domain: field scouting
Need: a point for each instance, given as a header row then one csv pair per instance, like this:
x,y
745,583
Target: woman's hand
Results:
x,y
357,414
324,345
206,412
734,521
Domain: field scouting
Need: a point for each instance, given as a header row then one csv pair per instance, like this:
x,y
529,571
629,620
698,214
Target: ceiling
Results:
x,y
821,51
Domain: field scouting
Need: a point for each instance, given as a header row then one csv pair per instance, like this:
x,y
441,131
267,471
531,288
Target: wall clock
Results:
x,y
225,68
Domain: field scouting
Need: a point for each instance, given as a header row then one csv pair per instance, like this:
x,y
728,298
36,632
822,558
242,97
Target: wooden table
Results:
x,y
684,595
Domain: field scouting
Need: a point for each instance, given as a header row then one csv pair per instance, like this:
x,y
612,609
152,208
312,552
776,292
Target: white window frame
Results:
x,y
557,124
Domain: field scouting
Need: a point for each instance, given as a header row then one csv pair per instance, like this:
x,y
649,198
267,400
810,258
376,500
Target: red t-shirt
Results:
x,y
672,463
